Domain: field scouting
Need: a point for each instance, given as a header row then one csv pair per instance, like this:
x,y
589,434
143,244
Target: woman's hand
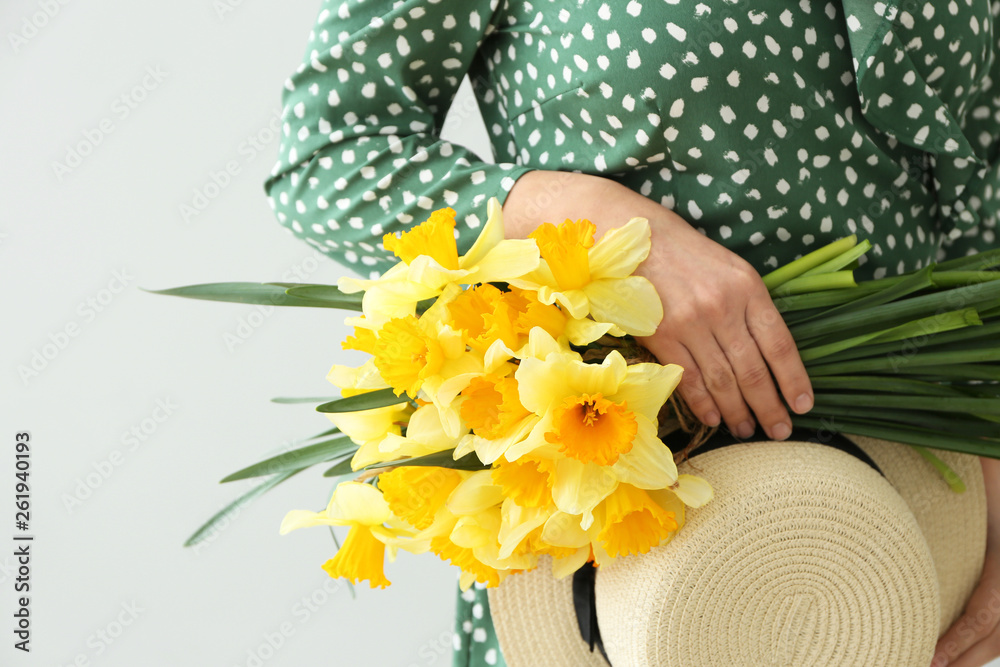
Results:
x,y
974,639
719,322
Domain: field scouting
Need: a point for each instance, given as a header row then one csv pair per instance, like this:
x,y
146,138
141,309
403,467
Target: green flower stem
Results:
x,y
950,476
963,336
926,326
817,283
879,383
907,364
951,279
910,436
899,312
783,274
841,261
983,260
968,404
942,422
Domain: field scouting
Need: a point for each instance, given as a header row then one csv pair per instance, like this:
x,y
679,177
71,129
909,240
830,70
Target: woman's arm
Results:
x,y
719,321
974,639
360,154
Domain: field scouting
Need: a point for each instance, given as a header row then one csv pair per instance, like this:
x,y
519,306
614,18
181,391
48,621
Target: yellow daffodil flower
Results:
x,y
362,556
585,277
430,262
601,418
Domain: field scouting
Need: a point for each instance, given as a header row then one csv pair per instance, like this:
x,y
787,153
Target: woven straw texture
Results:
x,y
954,524
806,556
537,626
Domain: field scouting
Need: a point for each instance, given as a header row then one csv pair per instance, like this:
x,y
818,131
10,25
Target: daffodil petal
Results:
x,y
296,519
365,377
563,567
575,302
631,303
586,331
647,387
354,502
693,491
507,260
620,250
579,487
490,235
474,494
563,530
649,464
516,523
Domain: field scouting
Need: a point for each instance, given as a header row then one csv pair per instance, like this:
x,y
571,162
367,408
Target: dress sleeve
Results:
x,y
360,154
982,196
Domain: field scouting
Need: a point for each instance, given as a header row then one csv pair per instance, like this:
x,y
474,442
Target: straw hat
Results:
x,y
807,555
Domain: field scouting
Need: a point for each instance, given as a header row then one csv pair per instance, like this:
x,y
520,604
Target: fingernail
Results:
x,y
803,403
712,419
781,431
745,430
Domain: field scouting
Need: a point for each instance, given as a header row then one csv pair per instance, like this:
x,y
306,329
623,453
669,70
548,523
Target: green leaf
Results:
x,y
328,294
268,294
296,459
332,431
379,398
438,460
237,505
285,400
342,468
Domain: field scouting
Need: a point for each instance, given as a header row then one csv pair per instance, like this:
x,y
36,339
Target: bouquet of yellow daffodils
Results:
x,y
497,420
477,429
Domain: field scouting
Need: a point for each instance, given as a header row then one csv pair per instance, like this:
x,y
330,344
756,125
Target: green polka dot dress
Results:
x,y
774,127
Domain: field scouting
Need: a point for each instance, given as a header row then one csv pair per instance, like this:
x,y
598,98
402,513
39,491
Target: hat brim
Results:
x,y
806,555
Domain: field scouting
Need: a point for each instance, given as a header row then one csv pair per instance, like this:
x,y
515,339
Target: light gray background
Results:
x,y
110,513
63,237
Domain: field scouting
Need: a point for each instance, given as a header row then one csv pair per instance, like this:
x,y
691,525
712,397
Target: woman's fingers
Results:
x,y
717,374
779,350
974,639
692,387
756,384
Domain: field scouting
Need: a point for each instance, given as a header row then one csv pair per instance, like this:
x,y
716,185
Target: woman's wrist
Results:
x,y
553,196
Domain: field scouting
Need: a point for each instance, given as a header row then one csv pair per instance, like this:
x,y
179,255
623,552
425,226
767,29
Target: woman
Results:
x,y
747,133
